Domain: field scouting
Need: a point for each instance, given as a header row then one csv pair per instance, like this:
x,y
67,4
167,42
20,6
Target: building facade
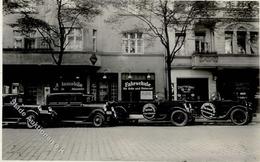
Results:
x,y
99,60
121,62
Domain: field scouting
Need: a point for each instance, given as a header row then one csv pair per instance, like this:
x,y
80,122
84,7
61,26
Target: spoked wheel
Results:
x,y
239,117
98,120
31,120
179,118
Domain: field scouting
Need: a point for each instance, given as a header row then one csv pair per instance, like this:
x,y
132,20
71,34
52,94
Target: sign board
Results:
x,y
146,95
136,85
74,86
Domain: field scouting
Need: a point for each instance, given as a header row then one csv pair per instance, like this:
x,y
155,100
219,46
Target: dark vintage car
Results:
x,y
78,107
240,112
181,113
175,111
16,112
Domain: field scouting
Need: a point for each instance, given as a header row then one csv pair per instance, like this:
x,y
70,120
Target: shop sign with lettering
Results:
x,y
69,86
135,85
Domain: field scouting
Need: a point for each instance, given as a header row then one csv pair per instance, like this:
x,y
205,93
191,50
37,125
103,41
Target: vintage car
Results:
x,y
78,108
240,112
175,111
16,112
181,113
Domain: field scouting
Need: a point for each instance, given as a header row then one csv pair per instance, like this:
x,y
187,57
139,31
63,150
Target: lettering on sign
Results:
x,y
138,85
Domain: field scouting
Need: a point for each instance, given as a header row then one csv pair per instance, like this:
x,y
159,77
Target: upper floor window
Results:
x,y
74,39
94,40
180,43
228,42
241,42
241,39
201,46
253,42
25,41
133,43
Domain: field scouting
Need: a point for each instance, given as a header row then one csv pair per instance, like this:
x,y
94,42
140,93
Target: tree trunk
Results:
x,y
169,80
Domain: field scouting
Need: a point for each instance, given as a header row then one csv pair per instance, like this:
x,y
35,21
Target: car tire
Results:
x,y
31,120
98,120
239,117
179,118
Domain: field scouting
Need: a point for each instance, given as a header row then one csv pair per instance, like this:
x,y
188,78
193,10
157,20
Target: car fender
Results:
x,y
179,108
237,107
97,111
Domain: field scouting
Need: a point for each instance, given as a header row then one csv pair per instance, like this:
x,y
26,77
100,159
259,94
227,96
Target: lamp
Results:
x,y
105,73
129,76
148,76
104,76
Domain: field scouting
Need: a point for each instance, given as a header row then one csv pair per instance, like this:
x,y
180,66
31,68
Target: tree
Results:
x,y
64,16
163,17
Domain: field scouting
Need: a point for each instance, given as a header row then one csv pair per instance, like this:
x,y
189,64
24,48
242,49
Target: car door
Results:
x,y
76,107
60,104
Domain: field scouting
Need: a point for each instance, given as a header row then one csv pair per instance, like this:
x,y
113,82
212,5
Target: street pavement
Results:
x,y
145,142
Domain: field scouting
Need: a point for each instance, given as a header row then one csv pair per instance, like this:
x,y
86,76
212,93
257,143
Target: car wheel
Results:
x,y
98,120
31,120
239,117
179,118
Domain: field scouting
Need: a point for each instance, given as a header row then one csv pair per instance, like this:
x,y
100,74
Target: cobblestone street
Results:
x,y
130,143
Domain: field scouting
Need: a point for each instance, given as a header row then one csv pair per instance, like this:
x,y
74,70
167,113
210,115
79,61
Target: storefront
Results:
x,y
238,84
192,89
138,86
193,85
104,86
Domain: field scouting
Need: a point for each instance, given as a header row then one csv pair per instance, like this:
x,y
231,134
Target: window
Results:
x,y
241,42
18,39
179,43
74,39
228,42
133,43
200,44
253,42
27,41
94,40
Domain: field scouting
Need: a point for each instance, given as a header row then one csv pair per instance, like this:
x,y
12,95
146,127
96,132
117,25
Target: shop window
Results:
x,y
201,46
31,95
253,42
228,42
132,43
74,39
104,89
138,87
192,89
241,42
114,91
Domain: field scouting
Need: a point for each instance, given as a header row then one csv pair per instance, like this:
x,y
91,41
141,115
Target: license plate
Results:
x,y
109,112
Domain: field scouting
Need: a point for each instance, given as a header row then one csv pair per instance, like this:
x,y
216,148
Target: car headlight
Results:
x,y
39,108
105,107
49,109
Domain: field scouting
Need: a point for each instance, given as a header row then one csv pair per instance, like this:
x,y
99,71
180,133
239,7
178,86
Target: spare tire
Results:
x,y
149,111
